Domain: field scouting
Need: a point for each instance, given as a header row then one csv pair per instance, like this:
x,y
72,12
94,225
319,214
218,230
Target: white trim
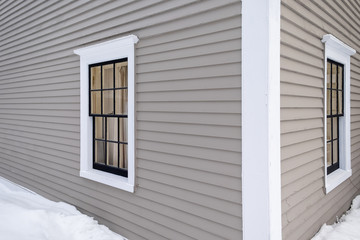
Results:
x,y
338,51
107,51
261,173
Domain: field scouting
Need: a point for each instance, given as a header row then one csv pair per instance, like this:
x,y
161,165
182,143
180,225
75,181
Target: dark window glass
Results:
x,y
108,94
334,111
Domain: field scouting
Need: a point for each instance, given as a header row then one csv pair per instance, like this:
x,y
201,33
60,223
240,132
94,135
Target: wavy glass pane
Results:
x,y
340,77
328,76
123,130
121,102
328,129
123,156
121,74
335,151
328,154
328,102
334,102
108,102
335,128
99,152
333,76
108,76
112,154
96,102
95,78
112,129
340,102
99,128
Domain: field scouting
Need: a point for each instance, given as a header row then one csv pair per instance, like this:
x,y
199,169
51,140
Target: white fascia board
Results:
x,y
261,173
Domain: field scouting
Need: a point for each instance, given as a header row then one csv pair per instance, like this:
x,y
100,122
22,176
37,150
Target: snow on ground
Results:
x,y
25,215
348,227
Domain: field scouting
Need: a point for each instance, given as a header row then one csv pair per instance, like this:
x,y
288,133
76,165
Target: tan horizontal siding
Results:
x,y
188,111
305,206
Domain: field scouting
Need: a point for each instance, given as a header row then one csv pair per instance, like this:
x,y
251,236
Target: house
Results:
x,y
185,119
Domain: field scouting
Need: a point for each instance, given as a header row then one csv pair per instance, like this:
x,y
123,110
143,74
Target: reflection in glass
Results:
x,y
328,102
328,154
123,156
99,152
99,128
340,77
121,101
96,102
121,73
334,102
112,154
108,76
112,129
108,102
328,127
340,102
95,77
328,76
335,151
335,128
334,76
123,124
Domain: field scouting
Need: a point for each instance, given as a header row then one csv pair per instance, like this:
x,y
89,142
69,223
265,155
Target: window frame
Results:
x,y
103,52
105,167
339,52
335,115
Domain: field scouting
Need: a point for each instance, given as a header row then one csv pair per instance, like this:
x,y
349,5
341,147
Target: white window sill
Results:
x,y
108,179
334,179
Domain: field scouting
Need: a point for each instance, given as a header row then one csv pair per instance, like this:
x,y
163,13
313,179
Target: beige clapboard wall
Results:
x,y
305,206
187,109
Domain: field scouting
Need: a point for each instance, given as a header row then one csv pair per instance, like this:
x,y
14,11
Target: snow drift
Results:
x,y
27,215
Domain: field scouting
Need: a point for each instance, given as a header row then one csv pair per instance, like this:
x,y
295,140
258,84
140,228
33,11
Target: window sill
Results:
x,y
334,179
112,180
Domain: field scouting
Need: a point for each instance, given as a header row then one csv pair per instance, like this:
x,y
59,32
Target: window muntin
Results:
x,y
108,98
335,106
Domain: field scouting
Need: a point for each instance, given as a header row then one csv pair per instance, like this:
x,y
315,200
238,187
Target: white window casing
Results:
x,y
339,52
102,52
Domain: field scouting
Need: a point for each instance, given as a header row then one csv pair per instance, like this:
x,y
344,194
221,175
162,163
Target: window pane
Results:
x,y
108,102
123,130
328,102
333,76
99,152
96,102
335,128
328,131
123,156
112,129
121,74
335,151
340,77
121,102
95,77
108,76
328,154
334,102
328,76
112,154
340,102
99,128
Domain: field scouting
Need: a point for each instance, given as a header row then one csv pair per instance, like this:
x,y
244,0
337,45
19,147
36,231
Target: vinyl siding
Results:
x,y
305,206
188,111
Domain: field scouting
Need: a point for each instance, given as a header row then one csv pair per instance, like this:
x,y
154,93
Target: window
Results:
x,y
108,107
337,115
107,112
334,112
